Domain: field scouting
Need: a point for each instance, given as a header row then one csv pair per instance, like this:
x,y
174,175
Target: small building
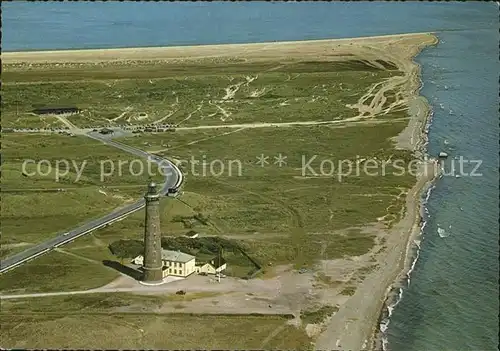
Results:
x,y
175,263
56,110
214,266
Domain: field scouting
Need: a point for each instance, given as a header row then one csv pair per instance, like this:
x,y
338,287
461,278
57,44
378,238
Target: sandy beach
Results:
x,y
355,325
397,44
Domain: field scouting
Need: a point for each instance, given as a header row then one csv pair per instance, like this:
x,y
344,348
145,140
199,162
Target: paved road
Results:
x,y
173,177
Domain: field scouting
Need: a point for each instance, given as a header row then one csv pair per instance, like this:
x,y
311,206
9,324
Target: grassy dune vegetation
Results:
x,y
274,206
148,331
60,271
277,213
32,207
186,94
78,316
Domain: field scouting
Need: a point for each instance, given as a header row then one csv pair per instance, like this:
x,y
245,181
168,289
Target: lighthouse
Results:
x,y
152,264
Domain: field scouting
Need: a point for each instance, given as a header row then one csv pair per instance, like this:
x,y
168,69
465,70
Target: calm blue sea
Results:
x,y
452,302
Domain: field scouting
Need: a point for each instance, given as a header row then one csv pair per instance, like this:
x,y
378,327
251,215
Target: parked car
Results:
x,y
172,191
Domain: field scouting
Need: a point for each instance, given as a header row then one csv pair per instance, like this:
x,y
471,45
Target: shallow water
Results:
x,y
452,302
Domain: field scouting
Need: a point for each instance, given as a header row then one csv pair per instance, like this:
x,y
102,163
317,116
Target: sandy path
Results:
x,y
138,289
198,108
348,121
170,114
80,257
67,123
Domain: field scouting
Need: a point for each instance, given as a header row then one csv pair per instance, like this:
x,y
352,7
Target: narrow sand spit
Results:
x,y
354,326
402,46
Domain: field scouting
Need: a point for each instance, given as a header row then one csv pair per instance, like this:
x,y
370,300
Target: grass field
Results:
x,y
317,316
146,331
82,153
77,316
34,210
190,94
56,271
277,206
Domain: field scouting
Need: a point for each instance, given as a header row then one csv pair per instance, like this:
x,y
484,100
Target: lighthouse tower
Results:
x,y
152,264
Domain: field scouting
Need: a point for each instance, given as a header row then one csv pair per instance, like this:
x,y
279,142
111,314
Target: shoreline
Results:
x,y
395,291
345,330
392,299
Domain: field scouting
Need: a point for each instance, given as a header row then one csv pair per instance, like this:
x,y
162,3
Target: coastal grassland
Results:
x,y
56,271
33,324
280,213
78,150
274,213
79,265
189,94
91,303
317,316
26,321
32,207
278,216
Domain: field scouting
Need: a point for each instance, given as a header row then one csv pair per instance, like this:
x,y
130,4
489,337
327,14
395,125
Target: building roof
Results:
x,y
217,262
57,109
176,256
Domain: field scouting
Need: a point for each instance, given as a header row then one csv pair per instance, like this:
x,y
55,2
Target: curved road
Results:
x,y
174,179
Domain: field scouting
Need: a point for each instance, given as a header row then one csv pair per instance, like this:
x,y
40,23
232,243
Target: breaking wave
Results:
x,y
396,294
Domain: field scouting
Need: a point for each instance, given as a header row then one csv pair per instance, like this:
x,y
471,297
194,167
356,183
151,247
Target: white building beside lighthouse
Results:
x,y
174,263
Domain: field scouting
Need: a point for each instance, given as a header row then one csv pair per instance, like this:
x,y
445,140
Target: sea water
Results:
x,y
452,301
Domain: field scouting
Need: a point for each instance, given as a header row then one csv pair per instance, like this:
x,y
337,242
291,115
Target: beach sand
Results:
x,y
355,325
403,46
